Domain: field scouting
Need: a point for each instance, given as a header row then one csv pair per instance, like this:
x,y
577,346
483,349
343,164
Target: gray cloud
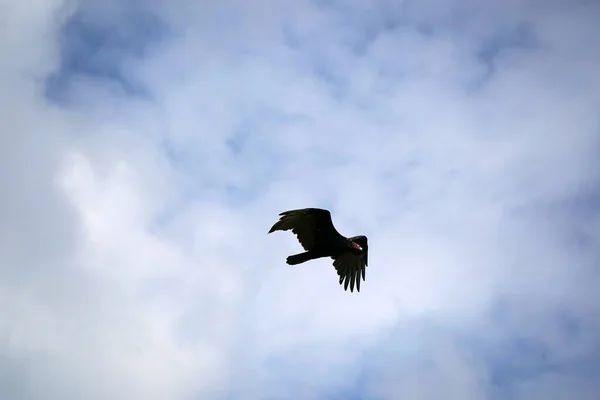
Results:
x,y
462,138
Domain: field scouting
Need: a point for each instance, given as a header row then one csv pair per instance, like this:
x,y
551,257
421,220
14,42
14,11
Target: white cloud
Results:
x,y
134,258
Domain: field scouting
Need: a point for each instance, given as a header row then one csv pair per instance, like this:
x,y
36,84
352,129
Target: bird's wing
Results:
x,y
310,225
350,268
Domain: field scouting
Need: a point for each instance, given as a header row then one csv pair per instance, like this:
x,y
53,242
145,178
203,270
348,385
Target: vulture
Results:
x,y
319,238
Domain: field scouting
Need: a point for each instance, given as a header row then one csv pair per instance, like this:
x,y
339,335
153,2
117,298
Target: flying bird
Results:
x,y
317,235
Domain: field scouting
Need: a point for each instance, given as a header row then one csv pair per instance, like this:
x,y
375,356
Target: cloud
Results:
x,y
146,149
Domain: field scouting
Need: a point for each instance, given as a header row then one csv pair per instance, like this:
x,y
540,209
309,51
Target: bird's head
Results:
x,y
356,246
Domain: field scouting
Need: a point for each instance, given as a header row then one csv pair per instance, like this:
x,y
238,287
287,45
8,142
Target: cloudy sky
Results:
x,y
146,147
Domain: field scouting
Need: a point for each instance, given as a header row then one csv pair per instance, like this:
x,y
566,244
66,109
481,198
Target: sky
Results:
x,y
146,148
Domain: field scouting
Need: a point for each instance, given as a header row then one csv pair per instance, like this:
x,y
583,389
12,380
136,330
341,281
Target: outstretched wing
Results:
x,y
351,267
311,226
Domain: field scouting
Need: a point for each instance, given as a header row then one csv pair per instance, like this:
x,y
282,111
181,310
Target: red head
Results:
x,y
356,246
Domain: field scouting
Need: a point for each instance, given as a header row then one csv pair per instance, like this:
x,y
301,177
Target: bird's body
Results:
x,y
319,238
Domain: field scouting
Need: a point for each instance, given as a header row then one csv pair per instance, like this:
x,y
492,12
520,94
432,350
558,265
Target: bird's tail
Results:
x,y
299,258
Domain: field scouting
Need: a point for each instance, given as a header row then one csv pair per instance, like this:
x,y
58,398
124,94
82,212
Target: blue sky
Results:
x,y
147,147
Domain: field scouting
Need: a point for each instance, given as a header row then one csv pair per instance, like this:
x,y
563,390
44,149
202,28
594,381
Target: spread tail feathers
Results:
x,y
299,258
